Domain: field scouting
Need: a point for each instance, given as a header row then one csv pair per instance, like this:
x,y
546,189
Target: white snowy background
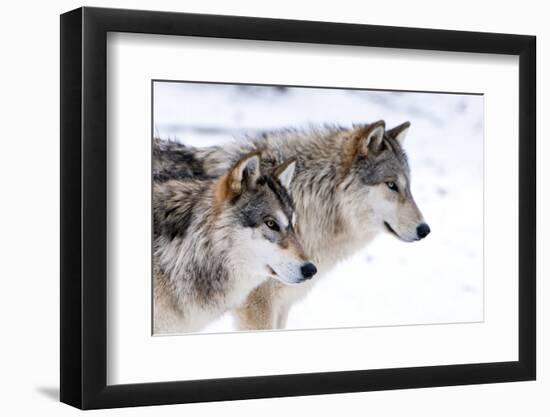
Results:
x,y
437,280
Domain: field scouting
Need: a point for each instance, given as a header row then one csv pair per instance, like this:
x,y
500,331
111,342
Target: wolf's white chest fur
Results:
x,y
191,315
326,253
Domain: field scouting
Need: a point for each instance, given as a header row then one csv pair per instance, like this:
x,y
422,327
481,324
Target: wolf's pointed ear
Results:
x,y
399,132
285,172
369,138
244,173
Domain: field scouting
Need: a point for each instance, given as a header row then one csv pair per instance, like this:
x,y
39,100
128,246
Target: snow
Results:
x,y
437,280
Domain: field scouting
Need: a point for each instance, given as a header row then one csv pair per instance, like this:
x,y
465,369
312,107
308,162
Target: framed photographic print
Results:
x,y
257,208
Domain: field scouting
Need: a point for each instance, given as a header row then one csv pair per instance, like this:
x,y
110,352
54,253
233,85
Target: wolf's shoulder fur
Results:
x,y
175,204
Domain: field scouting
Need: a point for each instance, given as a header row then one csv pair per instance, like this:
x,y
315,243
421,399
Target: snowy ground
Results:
x,y
437,280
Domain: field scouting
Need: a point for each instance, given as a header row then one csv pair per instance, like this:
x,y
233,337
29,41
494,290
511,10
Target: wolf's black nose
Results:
x,y
308,270
423,230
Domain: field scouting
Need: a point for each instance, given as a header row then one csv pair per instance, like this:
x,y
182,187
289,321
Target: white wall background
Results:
x,y
29,160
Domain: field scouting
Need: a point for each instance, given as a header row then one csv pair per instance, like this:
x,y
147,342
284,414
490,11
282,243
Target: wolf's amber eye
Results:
x,y
272,224
392,185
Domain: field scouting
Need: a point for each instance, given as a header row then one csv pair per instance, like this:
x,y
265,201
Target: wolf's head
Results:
x,y
377,184
262,215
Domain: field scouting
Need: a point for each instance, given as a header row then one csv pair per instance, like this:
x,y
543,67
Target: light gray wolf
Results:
x,y
349,185
215,240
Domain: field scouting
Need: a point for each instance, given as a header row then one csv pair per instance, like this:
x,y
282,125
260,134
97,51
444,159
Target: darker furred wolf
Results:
x,y
349,185
216,240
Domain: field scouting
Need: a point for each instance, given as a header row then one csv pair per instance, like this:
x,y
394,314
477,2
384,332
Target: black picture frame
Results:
x,y
84,207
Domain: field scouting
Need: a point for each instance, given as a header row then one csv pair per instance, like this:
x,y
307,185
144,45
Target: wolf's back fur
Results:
x,y
172,160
